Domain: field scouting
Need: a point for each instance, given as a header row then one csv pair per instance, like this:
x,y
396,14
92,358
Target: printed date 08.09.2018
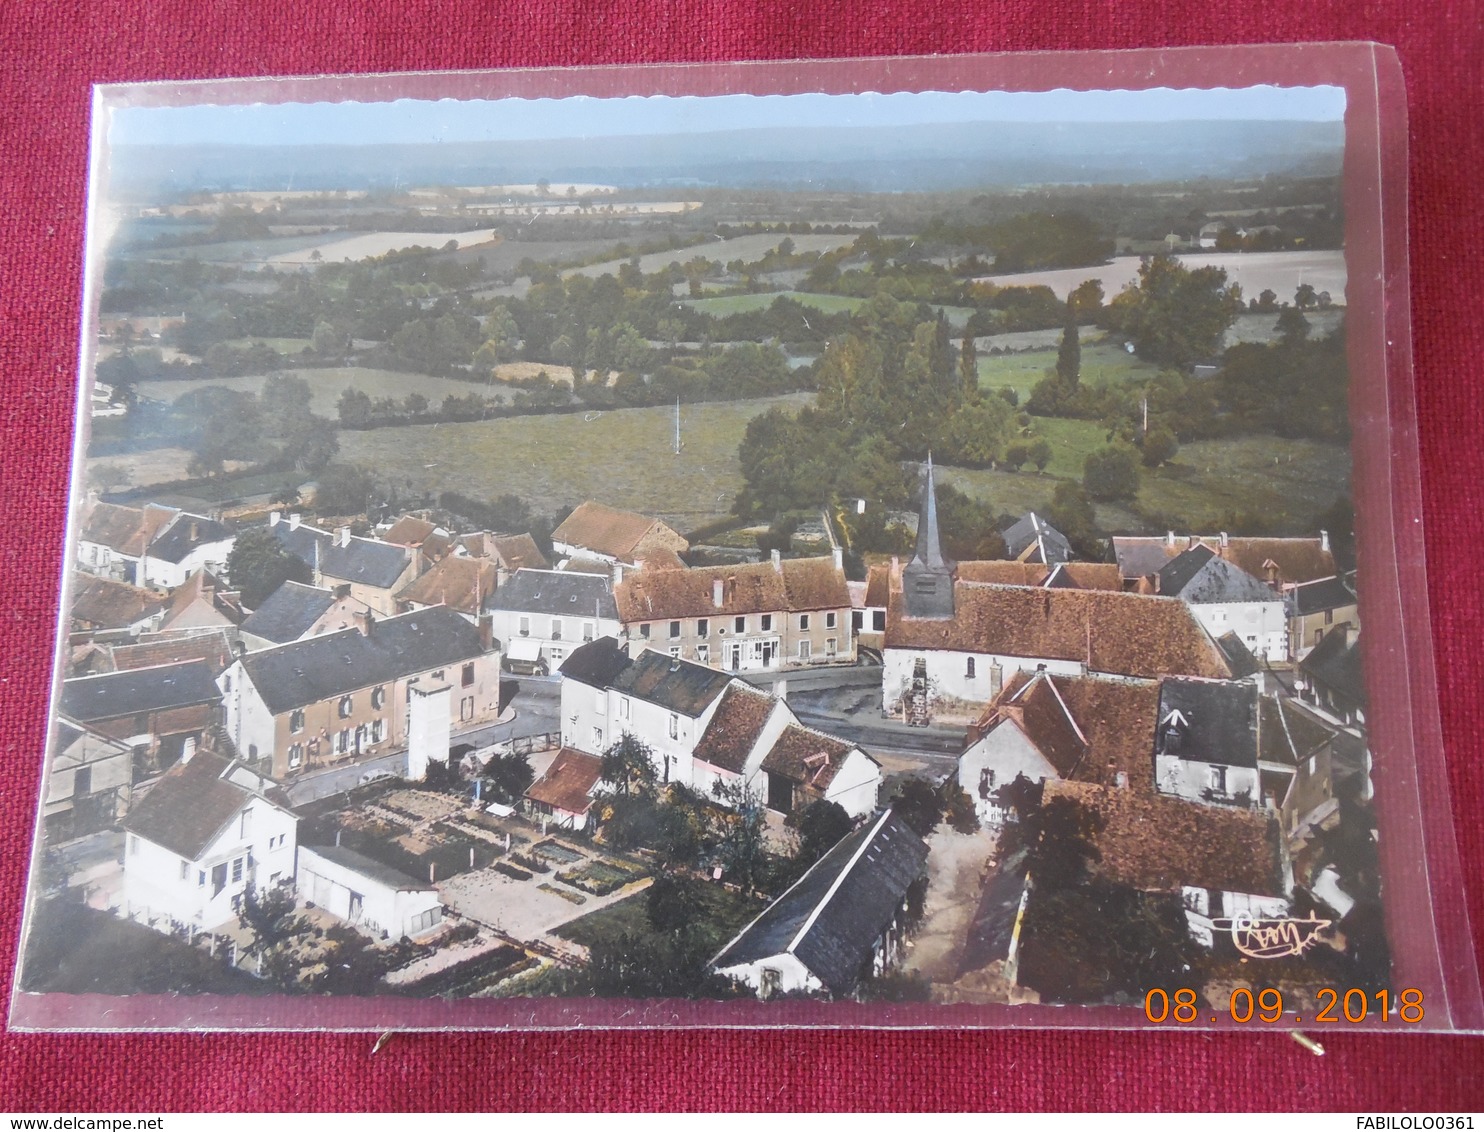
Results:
x,y
1266,1005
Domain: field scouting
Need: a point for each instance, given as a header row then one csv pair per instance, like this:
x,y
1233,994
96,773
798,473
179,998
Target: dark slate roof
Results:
x,y
993,926
372,870
834,913
556,592
1208,721
1239,657
1031,528
190,805
678,685
364,560
288,612
1335,663
1201,578
306,672
185,534
1317,596
89,699
597,663
300,541
927,580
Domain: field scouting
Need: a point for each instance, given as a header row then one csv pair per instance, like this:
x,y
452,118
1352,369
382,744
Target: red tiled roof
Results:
x,y
517,552
1296,559
804,755
734,728
1157,843
796,584
608,530
459,583
213,647
105,604
1118,633
128,530
568,783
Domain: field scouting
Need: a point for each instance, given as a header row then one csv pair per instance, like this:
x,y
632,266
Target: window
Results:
x,y
829,620
252,750
969,669
740,625
767,622
347,705
1329,619
703,653
674,629
1312,763
218,879
674,726
675,651
829,646
597,738
589,630
1218,779
201,878
986,781
244,823
185,869
803,621
133,846
623,707
466,679
237,869
703,627
296,755
878,620
524,626
227,683
644,631
556,628
378,730
466,708
82,781
858,619
342,741
378,698
296,721
803,650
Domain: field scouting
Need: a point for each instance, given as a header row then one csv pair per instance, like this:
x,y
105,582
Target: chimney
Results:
x,y
780,689
1225,541
364,621
195,531
716,593
486,626
342,536
1324,541
778,561
341,592
839,559
617,573
294,520
274,518
1170,539
896,566
187,750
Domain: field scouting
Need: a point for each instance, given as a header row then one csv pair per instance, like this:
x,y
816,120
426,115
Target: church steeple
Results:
x,y
927,581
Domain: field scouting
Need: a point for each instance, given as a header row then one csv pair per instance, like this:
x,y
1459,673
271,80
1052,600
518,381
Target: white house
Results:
x,y
112,539
87,782
540,616
1206,742
207,830
187,544
371,897
564,794
841,919
1227,599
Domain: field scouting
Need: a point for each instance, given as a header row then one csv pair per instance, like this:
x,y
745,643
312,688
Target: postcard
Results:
x,y
862,543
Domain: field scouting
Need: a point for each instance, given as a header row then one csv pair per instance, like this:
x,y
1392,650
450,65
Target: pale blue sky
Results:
x,y
409,121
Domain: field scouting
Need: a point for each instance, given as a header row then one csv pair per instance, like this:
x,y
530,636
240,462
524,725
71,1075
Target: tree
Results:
x,y
258,564
285,401
1039,453
1159,446
1266,302
628,768
821,825
1087,299
345,489
918,804
1016,455
672,904
267,915
1069,353
1305,298
509,775
1111,473
354,408
310,443
740,831
1292,326
968,367
1175,315
958,808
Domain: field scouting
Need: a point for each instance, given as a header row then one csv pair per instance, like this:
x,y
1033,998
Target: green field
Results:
x,y
1102,362
625,457
282,345
1284,484
326,385
723,305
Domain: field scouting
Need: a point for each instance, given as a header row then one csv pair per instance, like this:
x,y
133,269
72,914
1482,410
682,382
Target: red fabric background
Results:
x,y
52,51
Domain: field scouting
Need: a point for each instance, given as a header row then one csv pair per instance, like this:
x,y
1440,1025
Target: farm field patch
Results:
x,y
745,248
363,245
624,457
326,385
1280,272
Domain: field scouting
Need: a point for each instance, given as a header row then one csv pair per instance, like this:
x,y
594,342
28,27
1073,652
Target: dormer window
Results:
x,y
296,720
347,705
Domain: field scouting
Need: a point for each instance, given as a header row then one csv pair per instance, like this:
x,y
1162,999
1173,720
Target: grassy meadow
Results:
x,y
625,457
326,385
